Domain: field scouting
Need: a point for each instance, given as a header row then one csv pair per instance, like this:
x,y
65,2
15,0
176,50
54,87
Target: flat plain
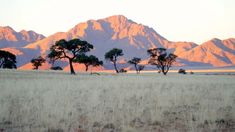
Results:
x,y
48,101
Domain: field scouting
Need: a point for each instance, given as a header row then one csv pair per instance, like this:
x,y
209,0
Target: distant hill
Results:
x,y
216,52
121,32
11,38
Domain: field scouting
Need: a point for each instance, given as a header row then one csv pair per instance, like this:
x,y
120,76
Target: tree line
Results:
x,y
75,51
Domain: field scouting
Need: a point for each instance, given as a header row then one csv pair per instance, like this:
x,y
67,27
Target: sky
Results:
x,y
176,20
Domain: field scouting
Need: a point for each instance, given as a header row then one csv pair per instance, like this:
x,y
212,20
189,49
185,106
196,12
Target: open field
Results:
x,y
198,71
48,101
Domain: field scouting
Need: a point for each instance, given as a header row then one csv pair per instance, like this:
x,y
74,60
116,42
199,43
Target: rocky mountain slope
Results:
x,y
121,32
10,38
215,52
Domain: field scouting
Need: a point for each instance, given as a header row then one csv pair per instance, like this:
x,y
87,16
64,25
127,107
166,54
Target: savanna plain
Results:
x,y
49,101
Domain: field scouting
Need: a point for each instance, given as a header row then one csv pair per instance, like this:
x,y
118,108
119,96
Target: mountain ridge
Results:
x,y
10,38
121,32
215,52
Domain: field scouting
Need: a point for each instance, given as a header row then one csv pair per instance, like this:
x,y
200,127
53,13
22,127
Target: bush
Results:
x,y
182,71
191,72
123,70
56,68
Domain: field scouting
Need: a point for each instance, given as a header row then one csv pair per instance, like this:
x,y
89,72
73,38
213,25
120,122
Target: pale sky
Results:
x,y
176,20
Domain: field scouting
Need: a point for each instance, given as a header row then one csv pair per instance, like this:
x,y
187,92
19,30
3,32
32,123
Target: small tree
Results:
x,y
83,59
112,56
135,61
160,58
52,61
140,68
88,60
36,62
69,50
153,61
7,60
95,62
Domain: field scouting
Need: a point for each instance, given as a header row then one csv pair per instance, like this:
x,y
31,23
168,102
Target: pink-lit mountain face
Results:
x,y
134,39
215,52
11,38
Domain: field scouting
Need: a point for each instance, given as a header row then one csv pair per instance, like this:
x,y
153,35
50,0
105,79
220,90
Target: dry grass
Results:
x,y
56,101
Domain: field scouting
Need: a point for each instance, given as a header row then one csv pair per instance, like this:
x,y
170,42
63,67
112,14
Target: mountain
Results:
x,y
11,38
115,31
215,52
120,32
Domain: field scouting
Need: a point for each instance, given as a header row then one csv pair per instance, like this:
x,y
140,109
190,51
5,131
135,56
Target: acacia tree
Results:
x,y
7,60
63,49
161,59
52,61
88,60
140,68
135,61
95,62
112,56
36,62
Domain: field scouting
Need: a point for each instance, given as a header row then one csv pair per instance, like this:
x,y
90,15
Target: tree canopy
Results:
x,y
135,61
88,60
161,59
63,49
36,62
7,60
112,56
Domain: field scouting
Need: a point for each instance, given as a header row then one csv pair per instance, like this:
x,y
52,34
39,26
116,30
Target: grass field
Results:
x,y
47,101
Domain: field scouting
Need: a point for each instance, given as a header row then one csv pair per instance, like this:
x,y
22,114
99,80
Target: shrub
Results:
x,y
123,70
182,71
56,68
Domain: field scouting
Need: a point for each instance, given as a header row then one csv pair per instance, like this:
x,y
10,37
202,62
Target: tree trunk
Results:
x,y
86,68
163,70
91,69
115,66
137,71
159,68
1,64
71,66
167,69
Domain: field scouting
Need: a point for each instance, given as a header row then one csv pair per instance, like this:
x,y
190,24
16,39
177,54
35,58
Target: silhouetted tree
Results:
x,y
160,58
88,60
7,60
95,62
112,56
69,50
52,61
83,59
153,61
36,62
140,68
135,61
